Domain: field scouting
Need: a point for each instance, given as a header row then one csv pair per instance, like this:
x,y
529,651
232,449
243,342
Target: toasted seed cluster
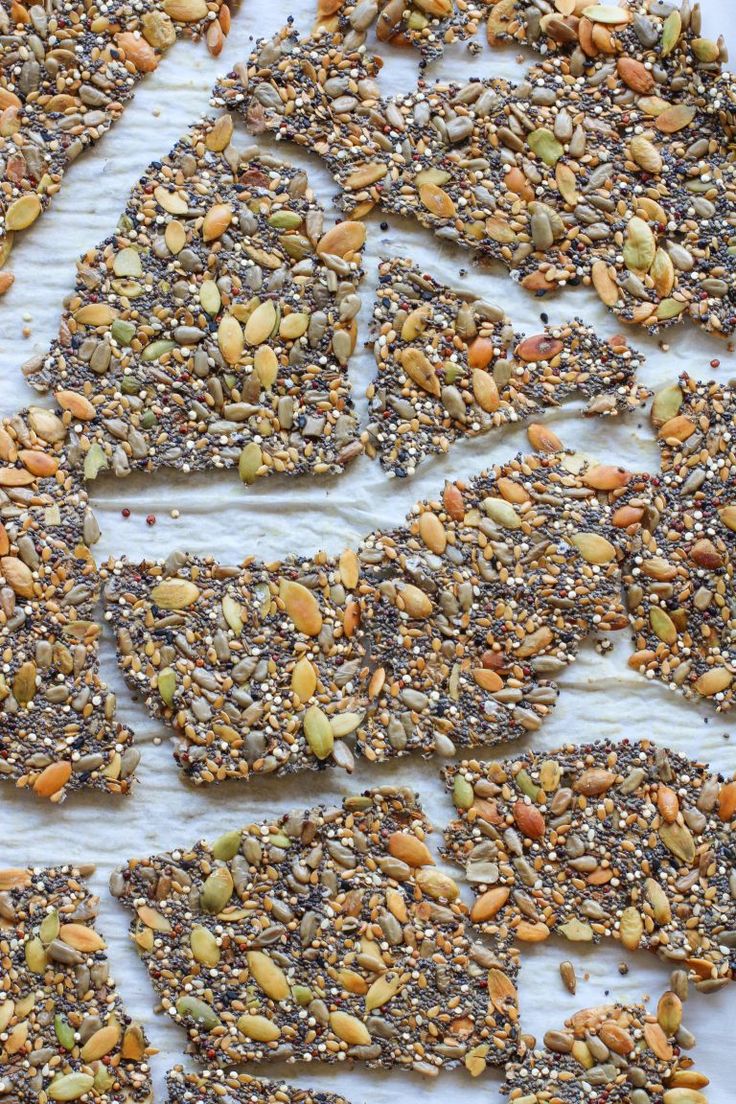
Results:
x,y
680,574
327,935
63,1031
429,25
57,718
213,329
627,841
620,1054
609,165
450,366
67,70
219,1087
445,633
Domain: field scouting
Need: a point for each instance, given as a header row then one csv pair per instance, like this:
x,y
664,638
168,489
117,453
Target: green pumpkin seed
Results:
x,y
662,625
640,246
677,839
49,928
35,956
463,794
670,308
342,724
217,890
204,946
227,846
166,684
577,931
611,14
318,732
545,145
157,349
210,298
175,594
232,611
250,461
671,32
130,384
285,220
122,332
192,1008
104,1079
502,512
70,1087
666,404
95,461
127,263
705,50
64,1033
526,785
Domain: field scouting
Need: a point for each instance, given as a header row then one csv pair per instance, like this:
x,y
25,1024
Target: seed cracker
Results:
x,y
323,936
622,1054
680,575
219,1087
451,366
57,718
624,841
447,632
64,1033
428,25
213,329
582,174
68,70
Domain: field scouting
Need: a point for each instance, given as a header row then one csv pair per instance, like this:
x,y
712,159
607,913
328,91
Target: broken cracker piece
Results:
x,y
220,1087
57,718
602,841
64,1033
632,1055
68,72
428,25
451,366
325,935
445,633
214,328
535,175
679,576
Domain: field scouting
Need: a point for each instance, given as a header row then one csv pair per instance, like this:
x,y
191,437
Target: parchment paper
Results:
x,y
600,697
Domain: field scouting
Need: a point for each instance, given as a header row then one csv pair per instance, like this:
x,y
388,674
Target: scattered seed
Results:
x,y
567,973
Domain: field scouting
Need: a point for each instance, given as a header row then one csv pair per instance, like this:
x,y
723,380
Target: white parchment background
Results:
x,y
601,695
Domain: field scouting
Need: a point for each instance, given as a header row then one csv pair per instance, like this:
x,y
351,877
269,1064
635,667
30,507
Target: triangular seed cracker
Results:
x,y
213,329
450,366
